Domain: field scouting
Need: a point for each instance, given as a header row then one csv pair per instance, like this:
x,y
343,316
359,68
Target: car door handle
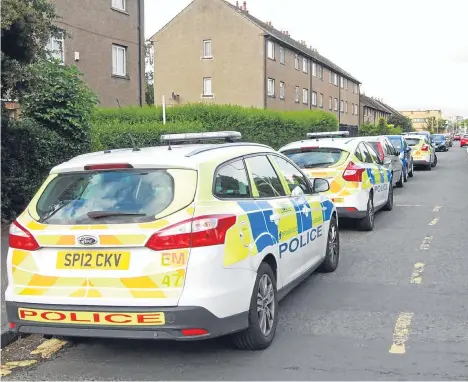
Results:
x,y
274,217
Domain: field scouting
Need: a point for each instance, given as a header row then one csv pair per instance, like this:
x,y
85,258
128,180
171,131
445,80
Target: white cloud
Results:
x,y
411,53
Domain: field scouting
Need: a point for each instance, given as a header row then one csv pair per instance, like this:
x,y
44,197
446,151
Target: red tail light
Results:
x,y
107,166
193,332
201,231
20,238
380,151
353,173
425,148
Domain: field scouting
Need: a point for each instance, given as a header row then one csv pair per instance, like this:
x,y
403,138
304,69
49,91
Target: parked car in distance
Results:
x,y
449,140
464,140
440,142
399,142
456,137
422,151
389,156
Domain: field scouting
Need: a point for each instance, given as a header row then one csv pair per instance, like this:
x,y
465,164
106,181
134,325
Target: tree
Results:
x,y
149,73
400,121
26,26
431,124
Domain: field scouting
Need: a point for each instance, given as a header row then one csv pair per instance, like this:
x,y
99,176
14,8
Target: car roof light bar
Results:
x,y
227,136
328,134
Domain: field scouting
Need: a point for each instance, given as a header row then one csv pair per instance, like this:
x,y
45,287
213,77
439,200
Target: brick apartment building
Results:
x,y
215,51
105,40
419,117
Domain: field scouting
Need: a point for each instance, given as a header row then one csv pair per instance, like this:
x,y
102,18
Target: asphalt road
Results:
x,y
405,282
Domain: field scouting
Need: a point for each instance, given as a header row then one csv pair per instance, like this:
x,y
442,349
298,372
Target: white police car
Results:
x,y
183,241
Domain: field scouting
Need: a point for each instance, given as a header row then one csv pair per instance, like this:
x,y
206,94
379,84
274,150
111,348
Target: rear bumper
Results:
x,y
422,162
343,212
176,319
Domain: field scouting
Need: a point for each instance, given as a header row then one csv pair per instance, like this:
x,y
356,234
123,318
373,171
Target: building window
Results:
x,y
305,65
335,79
119,60
207,52
356,109
271,50
271,87
305,96
346,107
296,94
330,103
296,62
356,91
346,83
282,55
320,71
55,47
119,4
314,98
342,82
352,109
321,100
314,69
336,104
281,90
207,88
342,106
330,75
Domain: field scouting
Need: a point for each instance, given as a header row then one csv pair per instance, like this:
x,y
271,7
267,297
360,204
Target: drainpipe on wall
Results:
x,y
140,76
311,89
339,100
265,74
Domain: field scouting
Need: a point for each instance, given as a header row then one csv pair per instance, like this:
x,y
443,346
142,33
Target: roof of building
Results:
x,y
371,102
393,111
287,40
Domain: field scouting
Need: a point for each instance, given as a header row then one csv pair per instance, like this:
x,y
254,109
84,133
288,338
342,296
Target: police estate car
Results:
x,y
359,182
182,241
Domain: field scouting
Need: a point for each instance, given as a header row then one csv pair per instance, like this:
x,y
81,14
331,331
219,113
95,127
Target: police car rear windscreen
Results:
x,y
316,157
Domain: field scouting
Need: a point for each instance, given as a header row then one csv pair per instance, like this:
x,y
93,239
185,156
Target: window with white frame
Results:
x,y
330,103
342,82
336,104
352,109
346,107
207,87
314,69
55,47
321,100
271,50
330,76
335,79
271,87
346,83
342,106
207,49
314,98
296,62
305,96
356,110
119,60
119,4
356,90
305,65
320,71
282,55
281,90
296,94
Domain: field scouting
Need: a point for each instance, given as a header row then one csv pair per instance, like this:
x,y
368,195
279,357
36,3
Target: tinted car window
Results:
x,y
293,177
366,154
316,157
413,141
132,196
266,180
359,154
373,154
438,138
231,181
396,142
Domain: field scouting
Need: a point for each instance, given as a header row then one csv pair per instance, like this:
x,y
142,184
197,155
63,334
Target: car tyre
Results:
x,y
367,223
389,205
405,176
411,173
332,257
400,183
435,161
258,336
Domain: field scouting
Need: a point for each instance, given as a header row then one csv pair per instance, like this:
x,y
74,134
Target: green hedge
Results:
x,y
274,128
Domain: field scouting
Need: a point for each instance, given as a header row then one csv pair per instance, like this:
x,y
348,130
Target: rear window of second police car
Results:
x,y
413,141
133,196
316,157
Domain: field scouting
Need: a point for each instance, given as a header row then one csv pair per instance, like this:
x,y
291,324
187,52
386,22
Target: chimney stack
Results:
x,y
237,4
245,6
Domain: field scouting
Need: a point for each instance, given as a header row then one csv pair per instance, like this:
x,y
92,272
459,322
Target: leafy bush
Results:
x,y
382,128
29,151
274,128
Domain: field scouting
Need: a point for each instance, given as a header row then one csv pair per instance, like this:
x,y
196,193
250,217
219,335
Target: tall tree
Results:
x,y
26,27
400,121
149,73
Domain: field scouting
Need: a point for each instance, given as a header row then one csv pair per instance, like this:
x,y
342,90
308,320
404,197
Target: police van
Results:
x,y
360,184
189,240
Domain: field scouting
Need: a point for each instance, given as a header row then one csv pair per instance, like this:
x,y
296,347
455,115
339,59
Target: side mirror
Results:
x,y
408,149
321,185
297,191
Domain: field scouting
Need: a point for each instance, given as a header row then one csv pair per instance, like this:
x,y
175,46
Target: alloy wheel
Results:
x,y
266,305
333,244
370,211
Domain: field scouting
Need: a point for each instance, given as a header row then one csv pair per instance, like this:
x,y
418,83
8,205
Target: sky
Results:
x,y
413,54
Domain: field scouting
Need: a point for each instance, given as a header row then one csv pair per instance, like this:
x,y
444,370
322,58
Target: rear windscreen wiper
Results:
x,y
104,214
317,164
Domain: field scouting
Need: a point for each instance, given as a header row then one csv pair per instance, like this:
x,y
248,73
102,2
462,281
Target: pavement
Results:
x,y
395,309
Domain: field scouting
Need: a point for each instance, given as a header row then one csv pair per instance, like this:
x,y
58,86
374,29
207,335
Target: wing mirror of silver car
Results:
x,y
321,185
